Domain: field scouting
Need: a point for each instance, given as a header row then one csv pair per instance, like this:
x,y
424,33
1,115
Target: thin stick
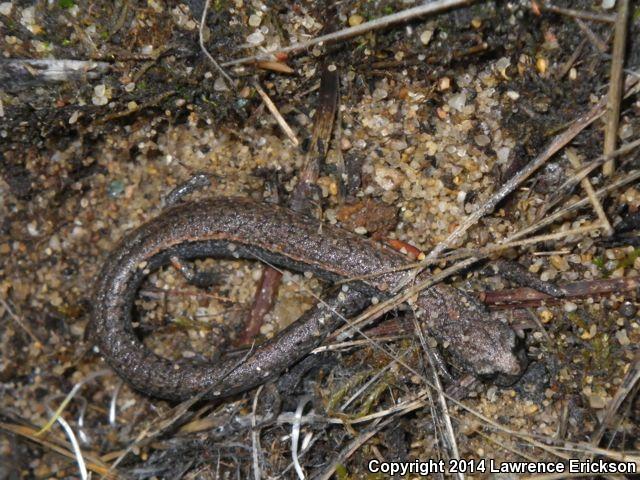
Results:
x,y
570,12
255,437
615,88
595,40
572,59
591,194
19,321
527,297
377,24
204,49
276,114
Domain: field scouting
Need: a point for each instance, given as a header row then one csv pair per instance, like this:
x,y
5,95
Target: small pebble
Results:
x,y
5,8
627,309
482,140
570,307
116,187
548,275
559,263
425,37
458,101
379,94
541,65
621,336
597,401
546,316
220,85
255,20
256,38
74,117
444,83
355,20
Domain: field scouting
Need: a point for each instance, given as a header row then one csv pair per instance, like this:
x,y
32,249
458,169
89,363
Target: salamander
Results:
x,y
230,228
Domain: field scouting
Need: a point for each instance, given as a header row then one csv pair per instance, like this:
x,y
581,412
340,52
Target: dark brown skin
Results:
x,y
241,228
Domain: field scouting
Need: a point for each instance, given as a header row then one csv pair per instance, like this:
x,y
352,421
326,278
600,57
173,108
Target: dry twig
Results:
x,y
615,86
276,114
591,194
204,49
377,24
571,12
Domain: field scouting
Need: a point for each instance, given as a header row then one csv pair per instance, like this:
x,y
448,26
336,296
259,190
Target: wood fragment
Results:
x,y
615,85
275,67
303,198
528,297
263,301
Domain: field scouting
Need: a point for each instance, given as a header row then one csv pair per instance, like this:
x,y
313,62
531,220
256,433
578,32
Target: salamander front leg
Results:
x,y
195,183
201,279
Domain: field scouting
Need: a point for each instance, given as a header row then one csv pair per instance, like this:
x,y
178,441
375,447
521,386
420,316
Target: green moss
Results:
x,y
338,396
601,358
629,260
372,399
599,262
66,3
341,472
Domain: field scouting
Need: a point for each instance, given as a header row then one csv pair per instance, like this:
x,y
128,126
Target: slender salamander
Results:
x,y
242,228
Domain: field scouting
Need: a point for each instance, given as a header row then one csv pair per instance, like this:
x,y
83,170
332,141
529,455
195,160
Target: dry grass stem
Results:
x,y
203,21
277,115
591,194
572,12
615,84
377,24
